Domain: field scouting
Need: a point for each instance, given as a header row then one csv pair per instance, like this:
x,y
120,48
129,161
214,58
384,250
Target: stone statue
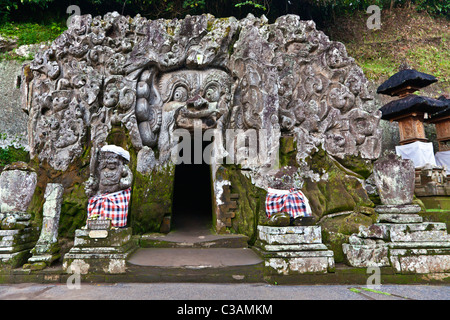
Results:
x,y
156,76
110,186
111,173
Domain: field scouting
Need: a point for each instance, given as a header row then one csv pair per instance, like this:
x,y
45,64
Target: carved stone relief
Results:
x,y
153,77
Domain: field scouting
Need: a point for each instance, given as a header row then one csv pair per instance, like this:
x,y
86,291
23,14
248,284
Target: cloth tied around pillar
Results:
x,y
282,204
112,206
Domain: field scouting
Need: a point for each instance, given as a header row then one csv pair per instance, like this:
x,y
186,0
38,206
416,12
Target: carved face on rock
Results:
x,y
111,168
199,96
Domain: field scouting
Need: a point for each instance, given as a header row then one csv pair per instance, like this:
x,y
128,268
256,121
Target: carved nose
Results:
x,y
197,102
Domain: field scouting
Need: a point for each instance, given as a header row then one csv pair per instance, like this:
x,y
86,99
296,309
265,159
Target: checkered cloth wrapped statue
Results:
x,y
291,202
112,184
112,206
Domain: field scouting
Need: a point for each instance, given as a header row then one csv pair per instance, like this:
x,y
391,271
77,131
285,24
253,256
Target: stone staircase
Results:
x,y
195,256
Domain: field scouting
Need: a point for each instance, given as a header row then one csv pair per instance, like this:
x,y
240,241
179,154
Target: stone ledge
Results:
x,y
290,235
343,275
300,265
291,247
399,218
399,209
115,238
364,256
420,261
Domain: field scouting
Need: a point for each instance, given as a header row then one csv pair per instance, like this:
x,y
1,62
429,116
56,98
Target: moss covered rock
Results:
x,y
250,202
151,199
338,191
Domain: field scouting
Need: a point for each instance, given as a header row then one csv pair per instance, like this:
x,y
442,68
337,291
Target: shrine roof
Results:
x,y
404,79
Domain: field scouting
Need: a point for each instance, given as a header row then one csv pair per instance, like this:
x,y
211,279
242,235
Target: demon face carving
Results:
x,y
197,98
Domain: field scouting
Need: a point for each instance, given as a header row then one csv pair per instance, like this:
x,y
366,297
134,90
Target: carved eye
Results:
x,y
212,94
180,94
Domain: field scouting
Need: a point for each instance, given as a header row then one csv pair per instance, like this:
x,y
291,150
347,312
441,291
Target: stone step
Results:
x,y
231,274
194,257
196,265
185,240
406,232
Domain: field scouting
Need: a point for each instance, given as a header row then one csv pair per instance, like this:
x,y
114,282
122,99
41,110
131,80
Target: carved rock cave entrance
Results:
x,y
192,197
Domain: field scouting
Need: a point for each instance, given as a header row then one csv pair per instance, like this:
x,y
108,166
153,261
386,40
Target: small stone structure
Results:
x,y
294,250
100,247
400,238
47,249
17,234
99,251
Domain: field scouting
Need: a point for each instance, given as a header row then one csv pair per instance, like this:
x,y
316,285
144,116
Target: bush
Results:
x,y
11,154
437,7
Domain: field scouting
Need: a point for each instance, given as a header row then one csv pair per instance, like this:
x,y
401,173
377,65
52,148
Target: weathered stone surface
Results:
x,y
294,250
46,249
12,238
291,247
290,235
398,209
16,189
15,246
300,265
11,102
363,256
105,255
401,240
375,231
427,231
115,238
394,178
399,218
420,260
150,78
14,259
146,160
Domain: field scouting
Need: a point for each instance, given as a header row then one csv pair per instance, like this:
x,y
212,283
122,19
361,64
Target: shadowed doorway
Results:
x,y
192,200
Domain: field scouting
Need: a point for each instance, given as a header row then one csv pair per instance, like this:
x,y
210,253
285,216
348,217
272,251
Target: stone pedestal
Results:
x,y
99,251
294,250
400,239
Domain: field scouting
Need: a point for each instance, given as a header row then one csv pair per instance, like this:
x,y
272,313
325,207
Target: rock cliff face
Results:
x,y
136,83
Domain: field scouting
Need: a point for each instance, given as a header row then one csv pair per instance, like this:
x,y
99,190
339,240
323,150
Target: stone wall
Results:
x,y
13,120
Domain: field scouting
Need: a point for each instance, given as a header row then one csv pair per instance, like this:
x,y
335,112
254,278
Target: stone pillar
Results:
x,y
294,250
17,235
394,179
47,250
400,238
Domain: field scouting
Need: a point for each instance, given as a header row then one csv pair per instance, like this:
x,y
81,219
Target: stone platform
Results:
x,y
400,239
294,250
100,251
15,246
